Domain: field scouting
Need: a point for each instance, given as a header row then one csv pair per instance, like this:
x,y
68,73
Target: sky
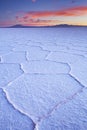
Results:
x,y
43,12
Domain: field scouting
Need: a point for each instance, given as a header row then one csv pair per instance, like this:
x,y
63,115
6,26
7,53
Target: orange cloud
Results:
x,y
35,18
75,11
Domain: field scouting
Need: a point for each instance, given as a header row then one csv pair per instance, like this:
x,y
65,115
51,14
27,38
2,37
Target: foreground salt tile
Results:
x,y
37,95
14,57
69,116
45,67
9,72
12,119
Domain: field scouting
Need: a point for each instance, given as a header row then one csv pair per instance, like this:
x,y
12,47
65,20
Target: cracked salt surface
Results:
x,y
12,119
43,79
77,63
33,52
44,93
70,116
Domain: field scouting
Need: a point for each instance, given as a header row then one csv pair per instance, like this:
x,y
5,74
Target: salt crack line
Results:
x,y
70,74
27,59
66,52
76,80
61,103
9,83
64,63
18,110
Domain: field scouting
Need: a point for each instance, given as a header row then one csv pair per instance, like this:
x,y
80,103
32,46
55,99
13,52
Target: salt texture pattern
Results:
x,y
43,79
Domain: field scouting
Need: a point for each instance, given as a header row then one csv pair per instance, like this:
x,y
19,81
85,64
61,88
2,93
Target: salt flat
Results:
x,y
43,79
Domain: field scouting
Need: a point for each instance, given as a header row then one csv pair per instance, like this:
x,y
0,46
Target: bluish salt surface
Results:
x,y
43,79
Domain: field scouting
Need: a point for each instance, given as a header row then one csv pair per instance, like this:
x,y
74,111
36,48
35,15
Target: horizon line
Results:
x,y
19,25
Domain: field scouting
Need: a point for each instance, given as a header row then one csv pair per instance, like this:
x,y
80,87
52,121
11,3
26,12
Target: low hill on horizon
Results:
x,y
60,25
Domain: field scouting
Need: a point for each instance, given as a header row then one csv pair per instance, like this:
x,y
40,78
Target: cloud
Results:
x,y
75,11
45,18
41,17
38,22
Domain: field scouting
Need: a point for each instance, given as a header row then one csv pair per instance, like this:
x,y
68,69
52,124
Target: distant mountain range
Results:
x,y
60,25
